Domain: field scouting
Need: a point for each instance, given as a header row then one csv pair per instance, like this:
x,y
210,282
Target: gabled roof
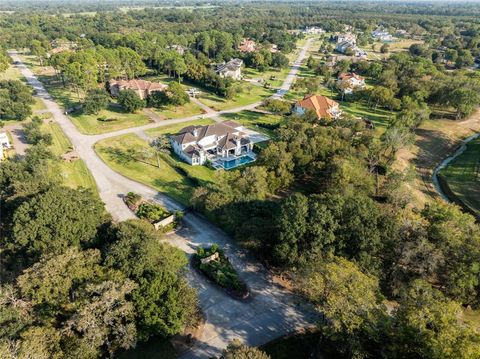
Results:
x,y
349,76
320,104
191,134
232,65
142,85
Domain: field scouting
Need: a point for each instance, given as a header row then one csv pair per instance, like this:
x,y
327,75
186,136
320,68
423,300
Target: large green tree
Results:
x,y
53,220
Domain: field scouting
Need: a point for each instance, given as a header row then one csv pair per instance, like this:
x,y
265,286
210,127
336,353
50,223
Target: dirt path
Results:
x,y
435,140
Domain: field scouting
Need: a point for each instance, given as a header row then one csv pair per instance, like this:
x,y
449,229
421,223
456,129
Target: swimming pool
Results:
x,y
237,162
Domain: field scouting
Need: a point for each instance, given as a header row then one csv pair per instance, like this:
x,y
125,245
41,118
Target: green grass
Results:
x,y
172,129
74,174
117,119
117,153
463,176
279,75
251,119
187,110
12,73
249,94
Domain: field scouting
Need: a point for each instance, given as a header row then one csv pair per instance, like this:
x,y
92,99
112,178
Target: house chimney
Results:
x,y
195,132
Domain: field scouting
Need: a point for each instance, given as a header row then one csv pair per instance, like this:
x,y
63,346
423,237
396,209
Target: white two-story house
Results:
x,y
225,140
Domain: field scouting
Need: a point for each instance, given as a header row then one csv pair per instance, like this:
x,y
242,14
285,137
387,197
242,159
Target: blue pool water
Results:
x,y
237,162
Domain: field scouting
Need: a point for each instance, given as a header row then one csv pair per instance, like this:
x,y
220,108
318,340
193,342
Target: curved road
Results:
x,y
270,313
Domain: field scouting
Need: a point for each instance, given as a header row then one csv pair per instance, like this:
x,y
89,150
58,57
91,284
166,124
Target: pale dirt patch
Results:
x,y
435,140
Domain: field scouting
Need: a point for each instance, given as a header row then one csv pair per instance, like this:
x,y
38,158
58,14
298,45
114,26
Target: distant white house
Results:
x,y
347,37
382,35
227,140
178,48
343,46
232,69
313,30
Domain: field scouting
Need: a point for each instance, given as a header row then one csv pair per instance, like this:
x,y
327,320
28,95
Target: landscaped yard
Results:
x,y
212,262
74,173
463,176
126,155
111,119
187,110
173,129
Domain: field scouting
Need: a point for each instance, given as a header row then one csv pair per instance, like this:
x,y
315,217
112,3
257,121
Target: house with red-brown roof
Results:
x,y
142,87
348,81
225,142
323,106
247,45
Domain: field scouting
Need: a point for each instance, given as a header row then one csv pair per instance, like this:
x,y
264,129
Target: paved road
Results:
x,y
271,312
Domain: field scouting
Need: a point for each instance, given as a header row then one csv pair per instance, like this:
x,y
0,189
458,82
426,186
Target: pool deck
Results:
x,y
218,162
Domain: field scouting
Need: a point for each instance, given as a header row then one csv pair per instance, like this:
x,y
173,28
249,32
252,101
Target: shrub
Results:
x,y
130,101
152,212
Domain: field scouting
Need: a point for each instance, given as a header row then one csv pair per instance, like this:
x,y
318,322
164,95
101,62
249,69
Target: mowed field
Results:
x,y
73,172
132,157
435,140
463,176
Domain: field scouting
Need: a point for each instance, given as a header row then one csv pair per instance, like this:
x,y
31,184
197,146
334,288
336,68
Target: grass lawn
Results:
x,y
463,176
75,173
278,74
117,119
250,94
172,129
12,73
187,110
253,120
117,153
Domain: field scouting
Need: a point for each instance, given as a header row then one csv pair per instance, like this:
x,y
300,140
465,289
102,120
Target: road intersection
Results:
x,y
270,313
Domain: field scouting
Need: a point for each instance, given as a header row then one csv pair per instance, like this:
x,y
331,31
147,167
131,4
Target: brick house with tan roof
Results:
x,y
323,106
197,144
142,87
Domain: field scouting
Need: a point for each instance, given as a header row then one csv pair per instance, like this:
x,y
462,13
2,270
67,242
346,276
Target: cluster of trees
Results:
x,y
16,100
75,284
407,82
84,69
341,219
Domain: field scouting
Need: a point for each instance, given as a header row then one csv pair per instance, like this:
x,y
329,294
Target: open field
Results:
x,y
88,124
172,129
250,93
74,173
435,140
126,155
115,119
463,176
187,110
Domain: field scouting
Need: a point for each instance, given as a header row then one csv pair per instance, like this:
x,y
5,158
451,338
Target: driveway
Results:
x,y
18,137
270,313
